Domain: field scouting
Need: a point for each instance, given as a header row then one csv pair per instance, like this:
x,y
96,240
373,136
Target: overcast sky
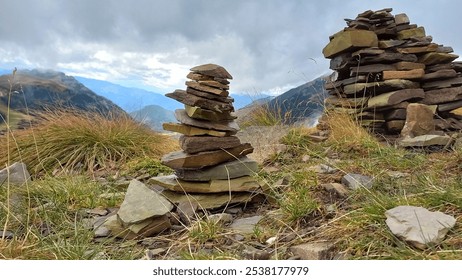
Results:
x,y
268,46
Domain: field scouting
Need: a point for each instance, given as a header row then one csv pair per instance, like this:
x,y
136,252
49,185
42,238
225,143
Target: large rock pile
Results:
x,y
213,159
383,63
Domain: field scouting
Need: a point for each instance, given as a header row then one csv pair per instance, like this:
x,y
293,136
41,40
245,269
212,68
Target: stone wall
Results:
x,y
382,63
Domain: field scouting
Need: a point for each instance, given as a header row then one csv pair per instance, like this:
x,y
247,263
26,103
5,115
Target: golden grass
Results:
x,y
89,141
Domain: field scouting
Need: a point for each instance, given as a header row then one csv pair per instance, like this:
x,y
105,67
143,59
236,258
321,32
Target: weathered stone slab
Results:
x,y
407,75
198,77
440,74
212,70
437,58
246,225
336,188
151,226
214,84
402,27
449,106
142,203
313,250
341,61
346,102
337,84
192,130
209,96
426,141
182,160
203,87
349,40
456,112
440,84
388,57
395,114
355,181
380,87
204,114
367,52
401,19
386,44
209,201
419,226
229,170
406,65
440,96
448,124
183,118
196,144
445,49
419,50
194,100
372,68
395,97
242,184
438,67
419,120
410,33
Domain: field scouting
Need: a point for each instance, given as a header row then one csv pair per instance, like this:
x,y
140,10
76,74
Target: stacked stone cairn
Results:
x,y
382,63
212,160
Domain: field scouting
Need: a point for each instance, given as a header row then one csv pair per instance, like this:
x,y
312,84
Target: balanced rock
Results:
x,y
172,182
194,100
196,144
182,160
243,166
350,40
419,226
192,130
183,118
212,70
204,114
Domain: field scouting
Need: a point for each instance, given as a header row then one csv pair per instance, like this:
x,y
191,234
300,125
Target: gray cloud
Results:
x,y
268,46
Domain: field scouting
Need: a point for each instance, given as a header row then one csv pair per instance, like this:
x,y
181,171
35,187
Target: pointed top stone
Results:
x,y
213,70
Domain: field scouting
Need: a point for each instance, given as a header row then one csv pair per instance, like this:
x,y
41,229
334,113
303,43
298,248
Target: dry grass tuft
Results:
x,y
89,141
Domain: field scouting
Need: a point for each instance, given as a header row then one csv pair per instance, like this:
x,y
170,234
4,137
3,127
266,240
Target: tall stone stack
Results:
x,y
212,159
383,63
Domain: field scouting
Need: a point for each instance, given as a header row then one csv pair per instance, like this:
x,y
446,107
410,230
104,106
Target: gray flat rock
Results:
x,y
229,170
183,118
17,173
356,181
418,226
245,225
142,203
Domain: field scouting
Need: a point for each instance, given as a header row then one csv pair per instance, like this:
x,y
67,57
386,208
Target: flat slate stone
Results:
x,y
449,106
212,70
380,87
386,44
196,144
229,100
142,203
419,226
454,82
389,57
440,96
437,58
410,33
246,225
192,130
214,84
395,126
406,65
401,19
183,118
313,250
426,140
371,68
348,40
209,201
194,100
407,75
203,87
204,114
242,184
395,97
422,49
15,174
355,181
395,114
229,170
440,74
182,160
